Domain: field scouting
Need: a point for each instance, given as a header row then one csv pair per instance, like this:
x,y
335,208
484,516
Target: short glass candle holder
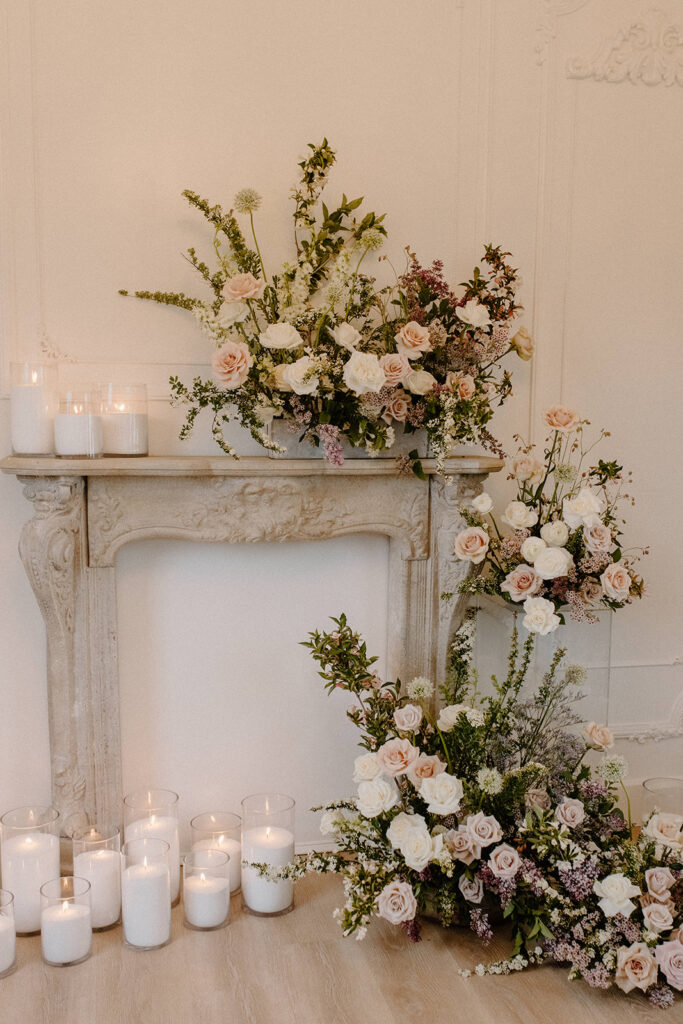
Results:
x,y
33,403
97,858
146,893
8,935
29,856
662,794
65,922
124,419
220,830
267,838
78,423
206,889
153,813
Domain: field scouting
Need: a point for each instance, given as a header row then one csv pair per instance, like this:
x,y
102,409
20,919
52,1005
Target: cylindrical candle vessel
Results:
x,y
65,924
154,813
206,889
124,419
146,893
33,403
97,858
267,838
29,856
78,423
220,830
8,936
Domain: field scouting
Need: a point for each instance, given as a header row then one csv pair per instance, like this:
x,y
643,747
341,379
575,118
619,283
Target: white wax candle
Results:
x,y
233,848
146,904
28,861
31,417
102,868
65,932
124,433
206,899
8,943
78,434
160,827
269,845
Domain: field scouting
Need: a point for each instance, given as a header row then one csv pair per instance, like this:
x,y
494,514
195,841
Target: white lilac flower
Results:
x,y
612,768
247,200
420,688
372,239
490,780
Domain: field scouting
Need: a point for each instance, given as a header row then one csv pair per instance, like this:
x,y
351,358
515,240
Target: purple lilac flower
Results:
x,y
661,996
578,881
590,789
329,435
597,977
479,923
629,930
412,929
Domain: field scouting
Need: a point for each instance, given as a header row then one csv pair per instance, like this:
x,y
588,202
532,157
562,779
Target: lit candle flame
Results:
x,y
34,377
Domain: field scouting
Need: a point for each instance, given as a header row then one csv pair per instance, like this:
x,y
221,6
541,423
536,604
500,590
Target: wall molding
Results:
x,y
648,51
549,12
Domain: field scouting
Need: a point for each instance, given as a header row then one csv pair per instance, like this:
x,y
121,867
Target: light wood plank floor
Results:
x,y
298,969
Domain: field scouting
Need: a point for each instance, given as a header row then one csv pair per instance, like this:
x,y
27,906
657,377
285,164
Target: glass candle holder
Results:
x,y
29,856
78,423
662,794
33,403
97,858
146,893
65,923
154,813
124,419
8,935
267,838
206,889
220,830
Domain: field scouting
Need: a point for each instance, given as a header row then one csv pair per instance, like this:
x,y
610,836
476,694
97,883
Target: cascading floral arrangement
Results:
x,y
334,355
487,812
565,549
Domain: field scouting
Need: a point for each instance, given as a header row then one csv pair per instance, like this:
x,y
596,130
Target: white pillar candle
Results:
x,y
233,848
28,861
65,932
102,868
158,826
31,417
269,845
8,943
146,904
206,899
124,433
78,434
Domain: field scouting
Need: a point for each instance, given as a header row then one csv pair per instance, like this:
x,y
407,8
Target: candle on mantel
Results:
x,y
102,868
124,419
78,424
270,845
8,937
65,933
160,826
146,904
28,861
32,408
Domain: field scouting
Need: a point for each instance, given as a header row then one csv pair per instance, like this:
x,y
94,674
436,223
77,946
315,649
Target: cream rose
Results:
x,y
412,340
636,967
396,903
616,582
426,767
555,533
449,716
552,563
521,583
401,826
537,798
484,830
659,882
669,956
232,313
420,382
474,314
281,336
363,374
377,796
300,376
280,379
531,548
483,503
471,888
570,812
598,538
462,845
666,829
616,891
243,286
471,545
519,516
396,367
408,717
230,364
396,756
442,793
461,384
559,417
366,767
528,469
599,737
346,336
416,848
657,917
540,616
583,509
523,344
397,407
504,861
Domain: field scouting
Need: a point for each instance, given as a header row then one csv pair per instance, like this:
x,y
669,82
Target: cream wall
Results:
x,y
467,121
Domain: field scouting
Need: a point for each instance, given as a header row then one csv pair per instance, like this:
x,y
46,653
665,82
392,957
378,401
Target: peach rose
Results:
x,y
461,384
527,468
462,845
669,956
598,538
599,737
426,767
616,582
397,903
521,583
412,340
484,830
666,829
396,367
243,286
397,407
559,417
471,545
504,861
657,917
537,798
570,812
408,717
396,756
659,882
636,967
230,364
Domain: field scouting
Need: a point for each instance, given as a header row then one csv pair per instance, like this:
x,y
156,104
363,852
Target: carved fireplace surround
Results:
x,y
85,510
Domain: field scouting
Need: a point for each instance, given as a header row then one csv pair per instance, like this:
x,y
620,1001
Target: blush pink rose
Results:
x,y
408,717
396,903
412,340
230,364
484,830
426,767
471,888
570,812
397,756
616,582
471,545
396,367
461,384
537,798
669,956
462,844
559,417
521,583
636,967
598,538
528,468
599,737
657,917
243,286
397,407
504,861
659,882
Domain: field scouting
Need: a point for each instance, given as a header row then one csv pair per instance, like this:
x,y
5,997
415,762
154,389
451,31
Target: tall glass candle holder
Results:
x,y
663,794
154,813
220,830
267,838
8,935
65,923
78,423
206,889
33,403
146,893
97,858
29,856
124,419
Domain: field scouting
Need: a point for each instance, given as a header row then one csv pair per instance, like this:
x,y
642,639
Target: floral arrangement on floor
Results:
x,y
337,357
565,549
487,812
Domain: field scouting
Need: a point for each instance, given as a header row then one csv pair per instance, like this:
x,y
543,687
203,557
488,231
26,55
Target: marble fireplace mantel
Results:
x,y
85,510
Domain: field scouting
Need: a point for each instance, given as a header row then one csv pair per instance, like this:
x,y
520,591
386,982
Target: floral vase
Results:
x,y
281,431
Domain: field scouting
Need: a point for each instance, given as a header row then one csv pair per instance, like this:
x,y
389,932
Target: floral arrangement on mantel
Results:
x,y
487,812
338,358
565,549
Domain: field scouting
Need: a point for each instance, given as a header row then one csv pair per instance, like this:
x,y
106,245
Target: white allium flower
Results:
x,y
247,200
576,675
612,768
372,239
420,688
490,780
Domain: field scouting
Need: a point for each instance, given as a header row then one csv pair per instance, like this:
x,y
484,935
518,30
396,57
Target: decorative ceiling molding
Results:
x,y
546,29
649,51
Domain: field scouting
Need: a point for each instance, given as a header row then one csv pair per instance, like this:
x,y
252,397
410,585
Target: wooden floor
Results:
x,y
298,969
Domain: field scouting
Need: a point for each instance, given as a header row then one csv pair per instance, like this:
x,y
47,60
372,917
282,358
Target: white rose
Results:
x,y
471,888
376,796
483,503
363,373
346,336
442,793
616,891
416,848
531,548
504,861
279,374
555,533
281,336
300,376
527,468
570,812
616,582
519,516
448,716
396,902
408,717
401,826
582,510
540,616
366,767
474,314
552,563
232,313
420,382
